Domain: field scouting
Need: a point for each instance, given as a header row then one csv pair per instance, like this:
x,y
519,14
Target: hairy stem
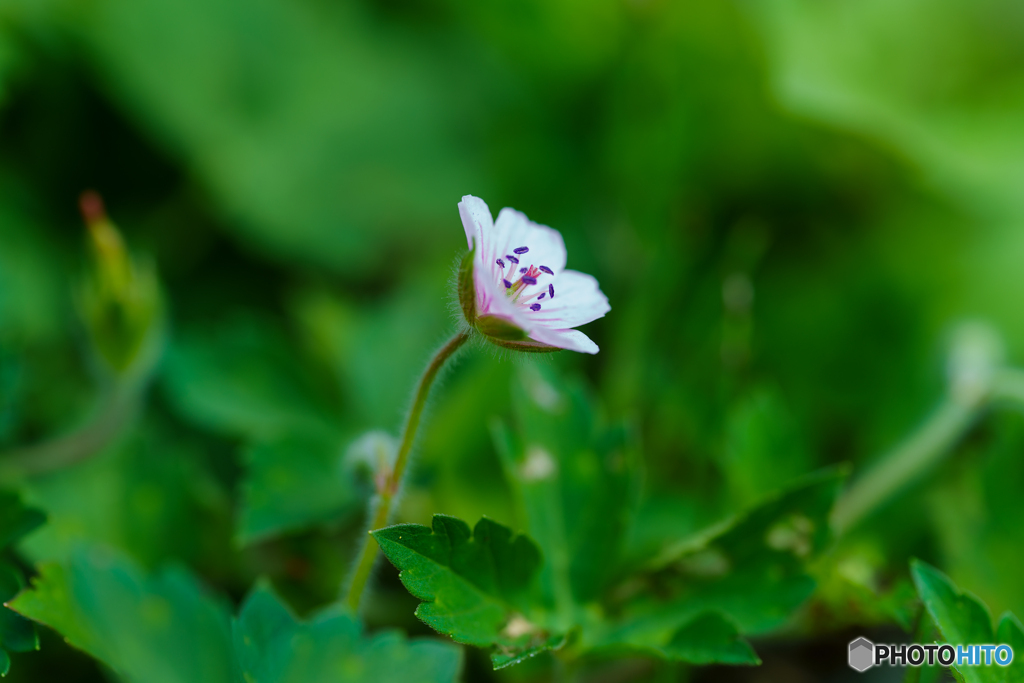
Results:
x,y
393,483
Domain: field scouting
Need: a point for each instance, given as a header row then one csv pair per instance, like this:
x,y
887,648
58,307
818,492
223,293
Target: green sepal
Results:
x,y
467,290
499,329
527,346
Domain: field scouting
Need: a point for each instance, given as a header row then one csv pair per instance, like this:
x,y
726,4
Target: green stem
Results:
x,y
914,456
393,484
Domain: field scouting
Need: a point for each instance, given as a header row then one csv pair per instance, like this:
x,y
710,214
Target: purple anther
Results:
x,y
534,307
529,280
523,270
547,270
520,250
551,291
508,285
512,258
500,263
542,295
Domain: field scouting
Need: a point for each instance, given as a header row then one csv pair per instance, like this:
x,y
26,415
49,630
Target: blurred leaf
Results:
x,y
763,448
575,482
150,494
477,586
962,619
710,639
752,568
16,519
948,100
159,629
978,536
31,296
949,96
293,483
378,350
274,647
241,378
299,119
1010,632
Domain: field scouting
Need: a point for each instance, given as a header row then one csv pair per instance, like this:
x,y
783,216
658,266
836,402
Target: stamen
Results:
x,y
529,280
500,263
508,285
541,296
520,250
547,270
551,291
512,258
523,270
534,307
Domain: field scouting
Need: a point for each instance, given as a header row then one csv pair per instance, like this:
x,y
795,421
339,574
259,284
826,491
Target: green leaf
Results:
x,y
31,280
151,494
1010,632
150,629
299,148
241,377
763,449
962,619
16,519
752,568
710,639
575,483
477,587
273,646
293,483
17,634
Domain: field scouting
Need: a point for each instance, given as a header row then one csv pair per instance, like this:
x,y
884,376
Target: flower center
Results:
x,y
519,281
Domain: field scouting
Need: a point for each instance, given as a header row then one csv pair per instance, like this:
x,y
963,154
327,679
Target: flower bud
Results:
x,y
119,299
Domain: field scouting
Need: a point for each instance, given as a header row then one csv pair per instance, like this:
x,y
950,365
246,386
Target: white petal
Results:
x,y
578,300
491,298
573,340
513,230
476,219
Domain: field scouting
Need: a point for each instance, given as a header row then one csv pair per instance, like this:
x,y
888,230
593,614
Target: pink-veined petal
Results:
x,y
476,220
571,340
491,298
513,229
578,300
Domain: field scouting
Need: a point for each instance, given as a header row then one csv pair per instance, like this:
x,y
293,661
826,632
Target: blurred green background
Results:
x,y
791,205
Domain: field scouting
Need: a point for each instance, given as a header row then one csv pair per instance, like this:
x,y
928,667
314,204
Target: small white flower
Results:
x,y
515,288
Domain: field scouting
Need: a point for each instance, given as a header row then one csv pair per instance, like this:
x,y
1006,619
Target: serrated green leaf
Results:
x,y
273,646
962,619
17,634
477,587
159,629
575,484
293,483
752,569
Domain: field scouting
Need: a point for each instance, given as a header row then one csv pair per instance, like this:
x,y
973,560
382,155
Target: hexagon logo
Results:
x,y
862,654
